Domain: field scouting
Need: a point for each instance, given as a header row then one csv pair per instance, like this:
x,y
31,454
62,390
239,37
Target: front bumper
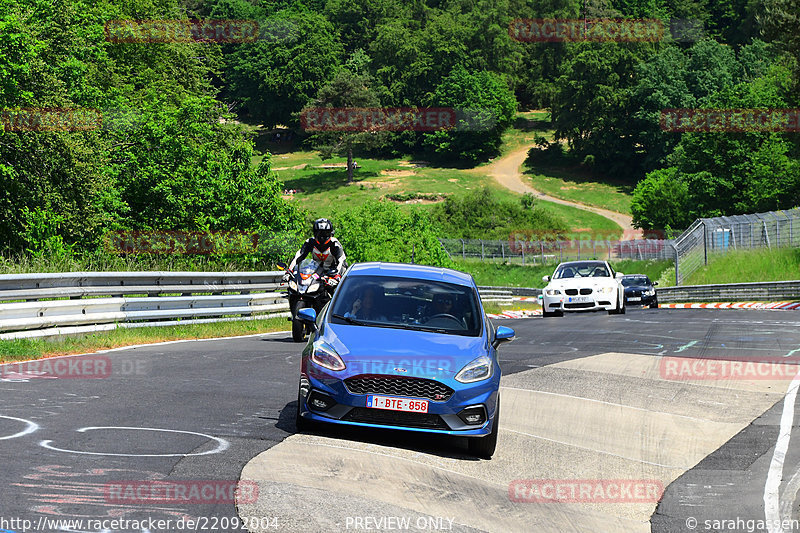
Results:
x,y
644,299
595,302
442,417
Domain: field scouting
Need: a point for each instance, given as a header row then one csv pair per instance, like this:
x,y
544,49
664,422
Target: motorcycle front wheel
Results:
x,y
298,328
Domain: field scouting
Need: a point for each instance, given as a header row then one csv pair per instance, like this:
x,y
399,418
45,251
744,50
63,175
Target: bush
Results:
x,y
383,231
480,214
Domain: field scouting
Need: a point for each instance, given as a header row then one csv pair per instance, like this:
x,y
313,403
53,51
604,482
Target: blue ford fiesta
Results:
x,y
404,346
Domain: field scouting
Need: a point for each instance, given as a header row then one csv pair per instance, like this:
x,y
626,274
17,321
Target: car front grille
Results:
x,y
574,292
395,418
579,305
399,386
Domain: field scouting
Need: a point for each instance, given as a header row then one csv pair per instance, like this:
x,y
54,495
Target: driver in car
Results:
x,y
444,304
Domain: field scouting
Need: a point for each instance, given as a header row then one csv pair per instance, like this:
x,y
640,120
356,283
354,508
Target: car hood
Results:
x,y
637,288
402,352
577,283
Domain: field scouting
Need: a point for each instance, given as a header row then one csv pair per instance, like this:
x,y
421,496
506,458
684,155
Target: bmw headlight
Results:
x,y
325,356
605,290
552,292
650,292
477,370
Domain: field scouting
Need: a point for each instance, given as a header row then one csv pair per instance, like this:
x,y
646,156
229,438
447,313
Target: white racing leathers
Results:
x,y
329,255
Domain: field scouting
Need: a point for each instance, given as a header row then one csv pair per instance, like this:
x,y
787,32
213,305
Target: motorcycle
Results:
x,y
307,288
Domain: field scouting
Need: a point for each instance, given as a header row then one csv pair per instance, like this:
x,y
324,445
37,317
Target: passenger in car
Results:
x,y
369,304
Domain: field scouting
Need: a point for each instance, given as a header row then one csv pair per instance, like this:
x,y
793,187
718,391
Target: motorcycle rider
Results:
x,y
325,249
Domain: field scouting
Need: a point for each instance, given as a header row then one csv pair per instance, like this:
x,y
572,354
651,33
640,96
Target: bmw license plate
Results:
x,y
409,405
634,299
580,299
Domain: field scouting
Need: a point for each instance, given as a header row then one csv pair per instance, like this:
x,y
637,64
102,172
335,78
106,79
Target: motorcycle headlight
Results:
x,y
552,292
325,356
477,370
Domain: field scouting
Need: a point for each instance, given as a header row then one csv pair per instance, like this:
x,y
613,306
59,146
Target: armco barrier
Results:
x,y
47,305
34,305
732,292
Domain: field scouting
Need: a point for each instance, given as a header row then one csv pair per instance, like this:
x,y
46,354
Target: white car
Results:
x,y
583,286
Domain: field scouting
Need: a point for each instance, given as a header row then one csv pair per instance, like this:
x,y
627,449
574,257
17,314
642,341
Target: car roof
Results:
x,y
406,270
635,276
597,261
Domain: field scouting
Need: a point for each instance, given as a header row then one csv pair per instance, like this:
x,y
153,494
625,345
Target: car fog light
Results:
x,y
473,415
320,402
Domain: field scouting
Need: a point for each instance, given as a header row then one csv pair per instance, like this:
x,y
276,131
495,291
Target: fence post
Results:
x,y
523,256
503,250
541,247
482,257
705,243
677,279
463,252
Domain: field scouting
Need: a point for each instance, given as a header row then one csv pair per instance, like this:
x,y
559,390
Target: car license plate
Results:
x,y
409,405
634,299
580,299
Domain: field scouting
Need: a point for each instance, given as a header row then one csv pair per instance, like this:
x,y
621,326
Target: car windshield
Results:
x,y
635,281
587,269
406,303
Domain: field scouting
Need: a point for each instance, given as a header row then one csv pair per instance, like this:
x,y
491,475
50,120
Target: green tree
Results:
x,y
661,200
489,107
275,79
347,90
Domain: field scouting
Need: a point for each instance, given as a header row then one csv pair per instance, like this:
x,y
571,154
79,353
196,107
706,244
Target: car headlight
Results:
x,y
650,292
605,290
477,370
552,292
325,356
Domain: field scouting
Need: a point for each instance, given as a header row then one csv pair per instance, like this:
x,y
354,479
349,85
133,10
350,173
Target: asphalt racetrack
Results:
x,y
608,424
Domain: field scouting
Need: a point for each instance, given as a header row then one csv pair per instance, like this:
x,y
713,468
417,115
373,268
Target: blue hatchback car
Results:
x,y
404,347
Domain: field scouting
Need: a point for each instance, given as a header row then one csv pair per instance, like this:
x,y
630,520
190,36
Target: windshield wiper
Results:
x,y
349,320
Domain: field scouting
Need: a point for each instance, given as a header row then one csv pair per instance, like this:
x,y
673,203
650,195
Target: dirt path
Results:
x,y
506,171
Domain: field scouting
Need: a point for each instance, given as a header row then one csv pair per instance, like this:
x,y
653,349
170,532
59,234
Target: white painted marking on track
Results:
x,y
685,346
772,487
32,426
222,444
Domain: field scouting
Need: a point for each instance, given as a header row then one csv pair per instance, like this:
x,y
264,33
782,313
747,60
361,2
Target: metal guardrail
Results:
x,y
733,292
34,305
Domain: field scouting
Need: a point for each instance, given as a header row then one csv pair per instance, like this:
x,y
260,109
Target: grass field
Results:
x,y
576,187
26,349
782,264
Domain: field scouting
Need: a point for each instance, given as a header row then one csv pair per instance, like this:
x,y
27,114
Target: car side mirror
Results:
x,y
503,334
655,284
546,279
619,275
308,316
